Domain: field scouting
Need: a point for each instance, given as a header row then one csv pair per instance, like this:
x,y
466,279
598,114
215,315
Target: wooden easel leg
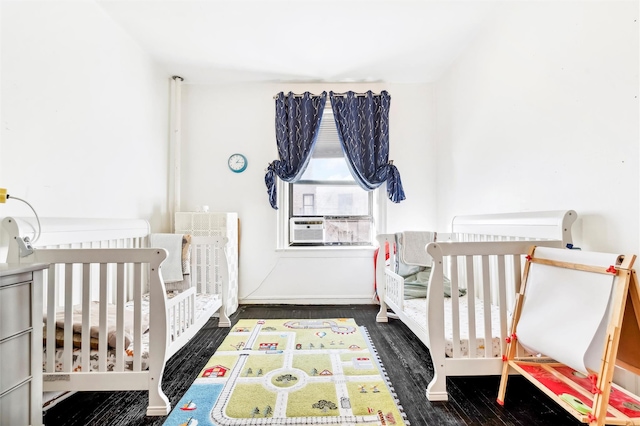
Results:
x,y
511,352
513,343
503,383
610,352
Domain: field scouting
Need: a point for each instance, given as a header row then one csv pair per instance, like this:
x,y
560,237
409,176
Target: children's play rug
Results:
x,y
291,372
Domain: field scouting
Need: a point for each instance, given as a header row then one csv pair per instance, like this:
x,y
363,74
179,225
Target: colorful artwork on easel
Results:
x,y
568,394
626,403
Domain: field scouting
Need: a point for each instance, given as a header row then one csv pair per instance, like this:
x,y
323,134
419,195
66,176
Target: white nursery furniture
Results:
x,y
109,322
20,340
479,263
216,224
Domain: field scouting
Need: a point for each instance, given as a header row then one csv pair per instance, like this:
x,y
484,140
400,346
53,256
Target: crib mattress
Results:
x,y
415,309
204,302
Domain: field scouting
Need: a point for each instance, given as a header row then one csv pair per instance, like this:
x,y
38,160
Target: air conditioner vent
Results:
x,y
306,230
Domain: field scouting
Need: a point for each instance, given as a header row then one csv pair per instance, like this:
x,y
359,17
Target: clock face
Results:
x,y
237,163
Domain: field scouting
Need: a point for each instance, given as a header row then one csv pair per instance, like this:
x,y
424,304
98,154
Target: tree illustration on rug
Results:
x,y
325,405
286,378
268,411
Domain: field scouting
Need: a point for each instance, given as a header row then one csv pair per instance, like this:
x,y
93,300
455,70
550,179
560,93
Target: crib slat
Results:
x,y
102,333
455,305
120,293
137,319
486,296
51,327
192,310
86,315
177,316
172,321
471,306
68,317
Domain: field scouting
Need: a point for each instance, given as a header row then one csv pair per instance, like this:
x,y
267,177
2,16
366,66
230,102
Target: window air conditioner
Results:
x,y
306,230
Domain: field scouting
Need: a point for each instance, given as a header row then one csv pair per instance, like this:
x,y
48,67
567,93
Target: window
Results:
x,y
326,206
308,204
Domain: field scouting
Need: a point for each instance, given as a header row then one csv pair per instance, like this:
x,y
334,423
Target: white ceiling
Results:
x,y
396,41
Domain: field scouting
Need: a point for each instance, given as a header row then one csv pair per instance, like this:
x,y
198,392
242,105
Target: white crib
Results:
x,y
102,268
482,255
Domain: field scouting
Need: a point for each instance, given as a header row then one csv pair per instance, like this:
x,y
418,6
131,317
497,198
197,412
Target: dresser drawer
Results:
x,y
16,367
15,406
15,309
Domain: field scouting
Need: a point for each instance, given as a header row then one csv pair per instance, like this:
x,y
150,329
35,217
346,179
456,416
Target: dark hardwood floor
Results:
x,y
472,400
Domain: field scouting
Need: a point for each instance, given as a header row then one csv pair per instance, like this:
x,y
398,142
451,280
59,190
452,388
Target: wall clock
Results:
x,y
237,163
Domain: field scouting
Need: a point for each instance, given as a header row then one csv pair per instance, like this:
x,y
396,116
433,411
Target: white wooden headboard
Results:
x,y
546,225
75,233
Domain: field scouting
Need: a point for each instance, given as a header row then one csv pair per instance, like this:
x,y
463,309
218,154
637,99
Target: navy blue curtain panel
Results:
x,y
298,120
363,130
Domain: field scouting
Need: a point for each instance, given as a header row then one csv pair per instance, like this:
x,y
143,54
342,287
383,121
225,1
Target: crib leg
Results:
x,y
158,403
224,320
437,389
382,313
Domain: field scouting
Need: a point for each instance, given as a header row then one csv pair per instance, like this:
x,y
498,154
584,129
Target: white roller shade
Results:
x,y
328,143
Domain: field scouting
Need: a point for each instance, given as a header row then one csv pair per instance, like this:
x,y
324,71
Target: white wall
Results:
x,y
220,120
84,116
541,113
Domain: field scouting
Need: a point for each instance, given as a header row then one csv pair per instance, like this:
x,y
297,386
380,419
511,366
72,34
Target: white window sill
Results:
x,y
327,251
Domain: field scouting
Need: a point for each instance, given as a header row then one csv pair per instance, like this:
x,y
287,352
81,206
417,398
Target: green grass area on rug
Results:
x,y
294,372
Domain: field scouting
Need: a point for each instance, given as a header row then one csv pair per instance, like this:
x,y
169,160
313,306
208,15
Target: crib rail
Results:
x,y
181,312
210,271
76,233
101,262
541,225
209,266
483,255
86,275
491,274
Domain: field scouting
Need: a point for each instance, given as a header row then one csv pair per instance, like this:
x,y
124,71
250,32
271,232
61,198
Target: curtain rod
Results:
x,y
334,94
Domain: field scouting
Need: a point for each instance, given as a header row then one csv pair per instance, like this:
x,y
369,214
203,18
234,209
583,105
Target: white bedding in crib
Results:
x,y
203,304
416,309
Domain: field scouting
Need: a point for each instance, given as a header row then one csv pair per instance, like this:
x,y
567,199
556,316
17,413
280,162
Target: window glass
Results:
x,y
328,200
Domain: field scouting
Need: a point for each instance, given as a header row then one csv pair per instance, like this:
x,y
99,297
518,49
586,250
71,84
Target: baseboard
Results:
x,y
336,300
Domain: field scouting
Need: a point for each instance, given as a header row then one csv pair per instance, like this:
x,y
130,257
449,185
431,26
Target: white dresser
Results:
x,y
216,224
21,344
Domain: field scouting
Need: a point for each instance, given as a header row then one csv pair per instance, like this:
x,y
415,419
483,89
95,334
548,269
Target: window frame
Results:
x,y
331,183
376,208
378,220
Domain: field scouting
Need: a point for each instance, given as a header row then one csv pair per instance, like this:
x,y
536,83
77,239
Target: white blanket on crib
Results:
x,y
172,266
413,245
204,304
94,322
416,310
